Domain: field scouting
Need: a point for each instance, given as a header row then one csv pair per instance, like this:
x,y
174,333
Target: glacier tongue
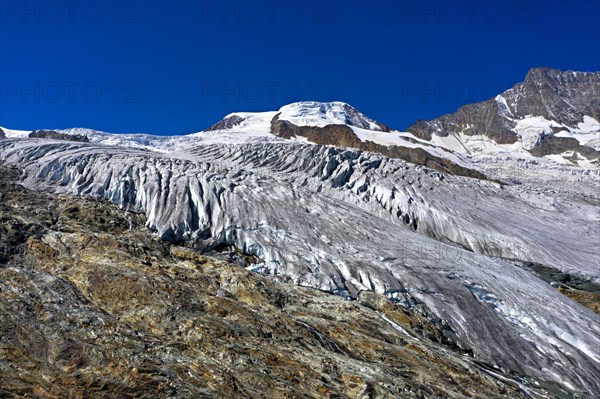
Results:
x,y
345,221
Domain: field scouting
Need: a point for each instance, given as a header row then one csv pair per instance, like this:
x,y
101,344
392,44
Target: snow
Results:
x,y
401,139
502,103
254,127
452,142
254,121
383,138
312,113
589,125
10,133
472,151
587,132
396,326
588,139
232,136
533,129
460,148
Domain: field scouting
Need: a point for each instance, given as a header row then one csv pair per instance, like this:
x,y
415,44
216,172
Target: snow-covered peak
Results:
x,y
304,113
313,113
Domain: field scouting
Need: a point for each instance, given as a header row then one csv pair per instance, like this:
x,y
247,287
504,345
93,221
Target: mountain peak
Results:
x,y
537,73
302,113
548,102
318,104
314,113
547,74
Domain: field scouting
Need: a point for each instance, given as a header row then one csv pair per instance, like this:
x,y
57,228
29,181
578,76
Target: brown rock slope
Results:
x,y
344,136
93,306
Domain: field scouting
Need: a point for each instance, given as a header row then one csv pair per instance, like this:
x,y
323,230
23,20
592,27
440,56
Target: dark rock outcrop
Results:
x,y
557,145
52,134
2,135
356,119
472,119
226,123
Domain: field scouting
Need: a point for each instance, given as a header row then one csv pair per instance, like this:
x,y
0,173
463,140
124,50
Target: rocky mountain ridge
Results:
x,y
562,98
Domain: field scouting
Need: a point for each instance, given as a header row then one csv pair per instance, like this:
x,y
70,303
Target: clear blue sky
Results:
x,y
176,67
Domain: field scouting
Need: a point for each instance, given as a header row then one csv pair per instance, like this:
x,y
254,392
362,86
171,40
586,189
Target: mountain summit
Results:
x,y
311,113
557,111
304,113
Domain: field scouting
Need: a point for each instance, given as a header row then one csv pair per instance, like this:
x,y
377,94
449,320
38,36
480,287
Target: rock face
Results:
x,y
2,135
472,119
93,305
52,134
347,222
564,97
226,123
344,136
557,145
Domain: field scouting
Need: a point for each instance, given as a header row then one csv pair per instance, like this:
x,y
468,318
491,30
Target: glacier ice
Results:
x,y
344,221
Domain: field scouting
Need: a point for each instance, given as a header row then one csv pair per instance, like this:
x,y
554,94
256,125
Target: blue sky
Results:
x,y
179,66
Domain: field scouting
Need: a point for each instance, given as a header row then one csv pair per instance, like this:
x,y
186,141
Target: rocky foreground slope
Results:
x,y
93,306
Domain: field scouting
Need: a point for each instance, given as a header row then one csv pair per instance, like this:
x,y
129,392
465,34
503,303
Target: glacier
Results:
x,y
345,221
